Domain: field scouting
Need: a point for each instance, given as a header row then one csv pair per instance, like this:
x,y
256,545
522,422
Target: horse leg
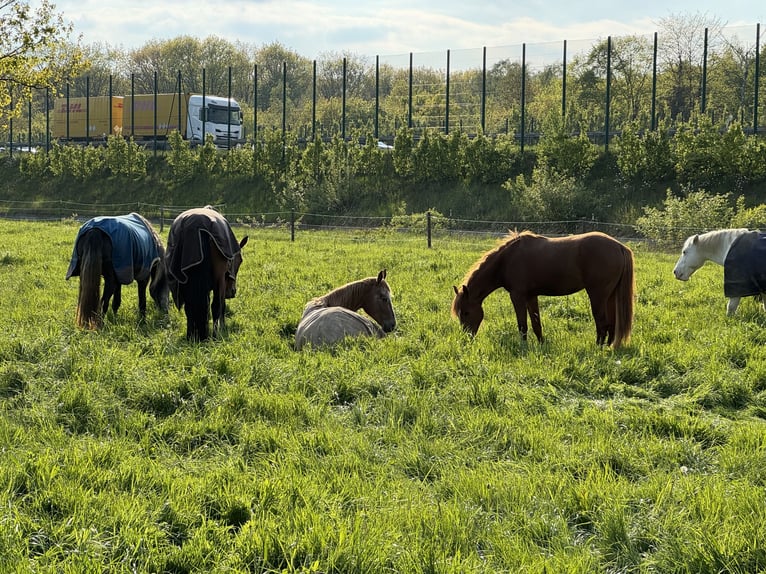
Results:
x,y
117,301
142,297
611,318
598,308
520,307
219,268
219,311
732,305
533,308
110,289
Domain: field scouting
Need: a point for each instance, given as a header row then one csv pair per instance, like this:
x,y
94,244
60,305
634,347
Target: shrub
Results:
x,y
680,217
646,158
750,217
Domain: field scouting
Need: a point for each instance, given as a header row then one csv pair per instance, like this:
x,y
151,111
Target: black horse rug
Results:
x,y
185,245
744,269
134,249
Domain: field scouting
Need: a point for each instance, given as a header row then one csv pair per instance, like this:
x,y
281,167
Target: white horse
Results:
x,y
713,246
328,319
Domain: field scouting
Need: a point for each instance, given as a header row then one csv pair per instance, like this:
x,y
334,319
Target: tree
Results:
x,y
682,40
34,52
631,69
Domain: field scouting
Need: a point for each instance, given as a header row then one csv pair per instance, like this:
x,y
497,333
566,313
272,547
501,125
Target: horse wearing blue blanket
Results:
x,y
741,252
122,249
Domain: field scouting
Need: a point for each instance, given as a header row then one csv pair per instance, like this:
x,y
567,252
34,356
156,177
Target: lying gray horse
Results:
x,y
328,319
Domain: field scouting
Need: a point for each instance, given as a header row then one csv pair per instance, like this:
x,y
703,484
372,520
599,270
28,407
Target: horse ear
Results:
x,y
695,240
381,275
456,290
243,242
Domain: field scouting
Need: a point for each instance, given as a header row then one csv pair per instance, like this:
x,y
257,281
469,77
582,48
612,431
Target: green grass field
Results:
x,y
131,450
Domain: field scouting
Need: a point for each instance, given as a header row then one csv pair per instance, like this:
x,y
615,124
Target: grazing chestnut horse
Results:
x,y
328,319
529,265
122,249
203,256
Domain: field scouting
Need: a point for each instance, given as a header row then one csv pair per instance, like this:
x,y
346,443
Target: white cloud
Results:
x,y
377,27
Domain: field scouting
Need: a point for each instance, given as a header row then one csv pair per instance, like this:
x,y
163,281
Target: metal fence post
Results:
x,y
428,227
757,76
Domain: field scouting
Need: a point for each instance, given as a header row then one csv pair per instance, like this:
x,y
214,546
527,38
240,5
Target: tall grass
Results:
x,y
131,450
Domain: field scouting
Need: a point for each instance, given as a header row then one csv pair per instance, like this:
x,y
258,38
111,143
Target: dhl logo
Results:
x,y
80,107
74,108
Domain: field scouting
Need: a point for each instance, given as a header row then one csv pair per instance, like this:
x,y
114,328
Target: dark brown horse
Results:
x,y
122,249
529,265
203,256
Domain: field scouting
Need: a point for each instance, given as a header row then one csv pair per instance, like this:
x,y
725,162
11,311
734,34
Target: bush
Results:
x,y
750,217
644,158
681,217
549,195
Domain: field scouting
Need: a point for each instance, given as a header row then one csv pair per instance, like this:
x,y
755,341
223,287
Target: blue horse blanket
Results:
x,y
744,269
134,249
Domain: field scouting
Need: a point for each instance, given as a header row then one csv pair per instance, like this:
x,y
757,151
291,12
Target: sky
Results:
x,y
387,27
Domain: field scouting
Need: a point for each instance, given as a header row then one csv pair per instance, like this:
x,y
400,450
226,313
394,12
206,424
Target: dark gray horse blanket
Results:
x,y
744,269
134,249
185,250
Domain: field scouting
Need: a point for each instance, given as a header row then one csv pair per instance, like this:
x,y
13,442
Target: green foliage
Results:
x,y
404,146
559,151
34,52
548,195
645,158
418,222
181,160
708,155
680,217
749,217
207,159
125,158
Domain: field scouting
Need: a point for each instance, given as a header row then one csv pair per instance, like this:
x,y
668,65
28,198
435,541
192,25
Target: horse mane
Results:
x,y
502,244
713,236
155,236
346,295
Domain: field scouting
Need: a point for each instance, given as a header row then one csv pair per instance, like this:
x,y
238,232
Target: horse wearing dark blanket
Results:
x,y
741,252
122,249
203,255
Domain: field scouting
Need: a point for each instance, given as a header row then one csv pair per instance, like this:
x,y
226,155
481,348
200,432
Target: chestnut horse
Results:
x,y
328,319
529,265
203,256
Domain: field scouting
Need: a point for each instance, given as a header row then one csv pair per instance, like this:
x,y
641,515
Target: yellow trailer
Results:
x,y
139,117
72,115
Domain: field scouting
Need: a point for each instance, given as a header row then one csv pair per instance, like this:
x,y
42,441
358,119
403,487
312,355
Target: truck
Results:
x,y
92,119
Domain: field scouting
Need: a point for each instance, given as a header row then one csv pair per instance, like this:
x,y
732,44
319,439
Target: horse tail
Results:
x,y
196,294
624,297
90,249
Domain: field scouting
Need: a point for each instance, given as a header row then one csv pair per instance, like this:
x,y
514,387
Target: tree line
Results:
x,y
692,63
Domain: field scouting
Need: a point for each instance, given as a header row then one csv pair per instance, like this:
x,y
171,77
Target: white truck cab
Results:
x,y
220,117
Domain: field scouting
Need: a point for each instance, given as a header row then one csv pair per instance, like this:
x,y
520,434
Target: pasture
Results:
x,y
130,449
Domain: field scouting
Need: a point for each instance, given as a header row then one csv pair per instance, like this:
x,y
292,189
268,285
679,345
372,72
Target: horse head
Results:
x,y
159,285
470,312
377,303
233,269
690,260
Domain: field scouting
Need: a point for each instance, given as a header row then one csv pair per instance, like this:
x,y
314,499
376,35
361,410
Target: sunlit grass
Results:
x,y
130,449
